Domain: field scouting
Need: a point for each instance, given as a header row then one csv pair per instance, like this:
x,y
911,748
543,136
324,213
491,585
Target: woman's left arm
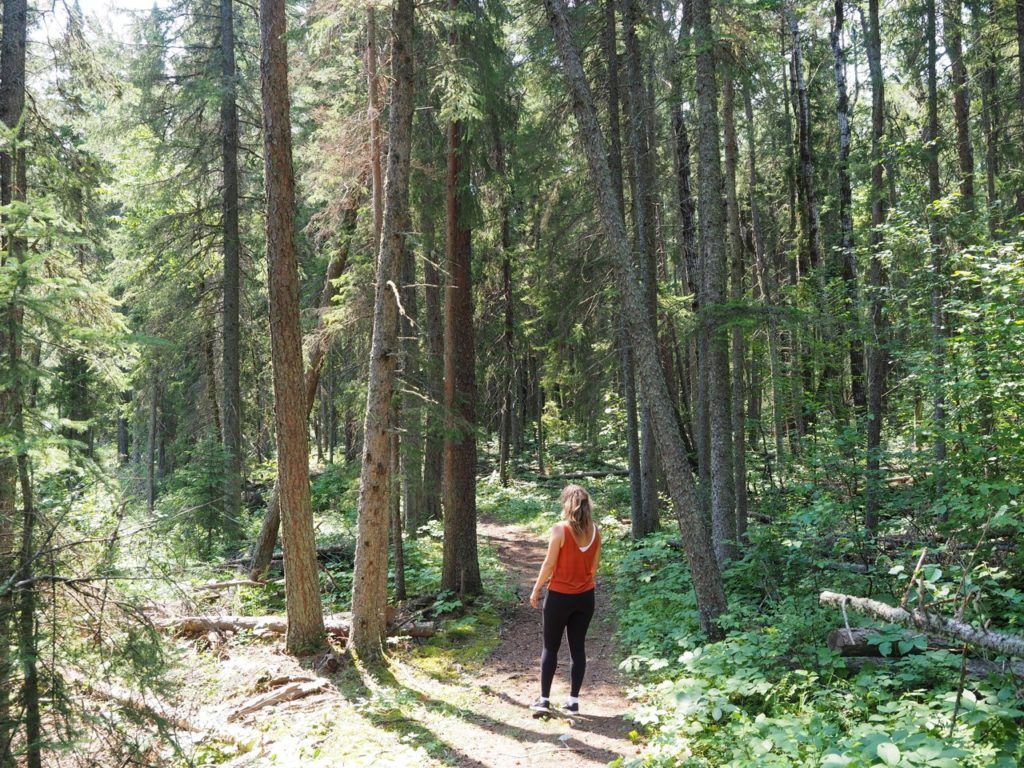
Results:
x,y
547,569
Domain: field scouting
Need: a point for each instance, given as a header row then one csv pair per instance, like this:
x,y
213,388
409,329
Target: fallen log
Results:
x,y
337,626
856,642
1008,645
215,585
289,692
581,475
327,552
976,668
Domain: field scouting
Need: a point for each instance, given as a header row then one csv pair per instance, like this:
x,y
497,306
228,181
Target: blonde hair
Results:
x,y
577,508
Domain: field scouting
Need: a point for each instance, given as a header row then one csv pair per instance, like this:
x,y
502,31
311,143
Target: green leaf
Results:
x,y
889,753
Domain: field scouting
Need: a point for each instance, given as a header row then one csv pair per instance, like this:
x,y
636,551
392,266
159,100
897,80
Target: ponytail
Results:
x,y
577,509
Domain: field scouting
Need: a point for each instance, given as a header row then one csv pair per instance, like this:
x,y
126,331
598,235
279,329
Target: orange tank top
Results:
x,y
574,570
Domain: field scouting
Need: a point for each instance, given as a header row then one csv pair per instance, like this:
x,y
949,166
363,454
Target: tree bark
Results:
x,y
706,575
876,357
302,593
369,581
411,455
805,171
460,569
509,330
1008,645
766,283
738,346
153,439
712,227
13,189
1019,17
232,394
433,452
847,256
938,333
626,368
265,542
644,207
952,28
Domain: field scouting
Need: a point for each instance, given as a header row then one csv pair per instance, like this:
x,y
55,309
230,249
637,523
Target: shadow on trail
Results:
x,y
366,683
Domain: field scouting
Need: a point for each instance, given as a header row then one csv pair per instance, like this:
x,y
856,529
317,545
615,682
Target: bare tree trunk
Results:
x,y
373,99
876,348
232,394
989,116
938,332
508,332
953,37
264,545
396,517
805,173
433,453
696,540
847,253
211,380
626,371
369,582
1019,17
302,586
712,227
14,466
738,346
460,569
644,208
766,284
411,454
151,446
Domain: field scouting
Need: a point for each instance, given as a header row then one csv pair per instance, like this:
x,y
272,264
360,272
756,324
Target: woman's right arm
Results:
x,y
547,569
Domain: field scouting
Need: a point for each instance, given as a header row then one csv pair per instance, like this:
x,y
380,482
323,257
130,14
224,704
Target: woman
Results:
x,y
573,552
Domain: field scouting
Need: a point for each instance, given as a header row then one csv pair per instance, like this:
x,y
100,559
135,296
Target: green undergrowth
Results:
x,y
771,693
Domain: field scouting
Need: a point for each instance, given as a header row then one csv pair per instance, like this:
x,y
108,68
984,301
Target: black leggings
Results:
x,y
570,614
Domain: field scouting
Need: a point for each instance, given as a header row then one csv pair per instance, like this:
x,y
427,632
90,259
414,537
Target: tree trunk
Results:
x,y
264,545
626,371
211,380
805,168
712,227
700,553
13,189
232,394
738,346
373,99
938,332
766,283
369,581
398,561
460,570
989,115
644,208
847,254
433,453
876,357
411,455
509,330
302,593
952,28
151,446
1019,16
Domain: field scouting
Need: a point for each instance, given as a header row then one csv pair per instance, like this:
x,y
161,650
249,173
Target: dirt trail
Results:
x,y
406,716
600,733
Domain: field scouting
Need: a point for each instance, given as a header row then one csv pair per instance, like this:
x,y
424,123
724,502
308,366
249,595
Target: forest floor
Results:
x,y
426,709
